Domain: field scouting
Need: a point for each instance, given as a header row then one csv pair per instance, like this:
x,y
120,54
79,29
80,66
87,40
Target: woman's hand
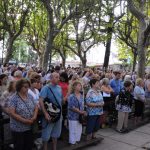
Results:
x,y
100,104
34,118
35,113
29,121
84,113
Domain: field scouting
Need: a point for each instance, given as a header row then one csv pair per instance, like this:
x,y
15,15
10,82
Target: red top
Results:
x,y
64,86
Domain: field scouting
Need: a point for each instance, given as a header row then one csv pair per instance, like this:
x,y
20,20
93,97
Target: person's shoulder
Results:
x,y
30,96
90,92
14,97
37,91
111,81
58,86
45,87
29,91
71,96
122,92
136,87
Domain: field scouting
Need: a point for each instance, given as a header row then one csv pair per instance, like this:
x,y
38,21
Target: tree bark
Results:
x,y
83,60
9,49
139,14
63,62
108,47
141,52
40,60
49,45
134,60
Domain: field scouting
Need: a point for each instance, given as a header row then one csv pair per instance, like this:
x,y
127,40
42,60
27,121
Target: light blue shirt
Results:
x,y
139,93
45,92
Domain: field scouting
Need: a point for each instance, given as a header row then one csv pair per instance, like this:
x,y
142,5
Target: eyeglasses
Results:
x,y
26,87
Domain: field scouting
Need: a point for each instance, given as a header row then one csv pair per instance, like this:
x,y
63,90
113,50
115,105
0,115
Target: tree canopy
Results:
x,y
72,27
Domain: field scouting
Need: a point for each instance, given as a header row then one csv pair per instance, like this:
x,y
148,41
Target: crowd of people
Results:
x,y
85,97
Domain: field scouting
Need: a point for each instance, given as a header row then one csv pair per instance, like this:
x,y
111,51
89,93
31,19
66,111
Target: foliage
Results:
x,y
22,52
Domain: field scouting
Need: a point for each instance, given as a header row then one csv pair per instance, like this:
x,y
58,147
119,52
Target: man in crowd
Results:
x,y
51,129
115,83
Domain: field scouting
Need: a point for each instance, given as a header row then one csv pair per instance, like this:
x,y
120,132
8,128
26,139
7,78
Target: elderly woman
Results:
x,y
123,105
17,75
139,96
23,113
75,108
94,102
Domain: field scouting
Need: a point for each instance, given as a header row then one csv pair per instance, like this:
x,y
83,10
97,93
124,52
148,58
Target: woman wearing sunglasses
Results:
x,y
23,113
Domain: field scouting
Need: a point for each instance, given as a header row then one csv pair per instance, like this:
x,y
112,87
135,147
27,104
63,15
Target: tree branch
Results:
x,y
22,23
135,11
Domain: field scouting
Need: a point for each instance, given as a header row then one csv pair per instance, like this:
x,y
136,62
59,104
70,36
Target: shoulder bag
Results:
x,y
54,110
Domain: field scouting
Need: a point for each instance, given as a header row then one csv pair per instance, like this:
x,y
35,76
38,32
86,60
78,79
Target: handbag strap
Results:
x,y
77,101
26,104
54,96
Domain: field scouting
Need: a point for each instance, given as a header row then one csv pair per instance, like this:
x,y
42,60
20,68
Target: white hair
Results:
x,y
127,78
18,73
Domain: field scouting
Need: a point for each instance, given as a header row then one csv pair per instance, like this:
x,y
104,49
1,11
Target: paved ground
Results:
x,y
134,140
138,139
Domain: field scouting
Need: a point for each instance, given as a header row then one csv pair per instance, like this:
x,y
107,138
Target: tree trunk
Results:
x,y
40,60
141,52
9,49
139,14
47,50
134,60
83,60
108,47
63,62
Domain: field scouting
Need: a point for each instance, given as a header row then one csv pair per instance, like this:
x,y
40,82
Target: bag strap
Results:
x,y
77,101
54,96
26,104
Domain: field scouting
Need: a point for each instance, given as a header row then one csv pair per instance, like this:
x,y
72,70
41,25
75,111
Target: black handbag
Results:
x,y
54,110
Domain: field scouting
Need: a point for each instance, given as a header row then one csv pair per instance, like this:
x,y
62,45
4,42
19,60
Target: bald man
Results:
x,y
51,129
